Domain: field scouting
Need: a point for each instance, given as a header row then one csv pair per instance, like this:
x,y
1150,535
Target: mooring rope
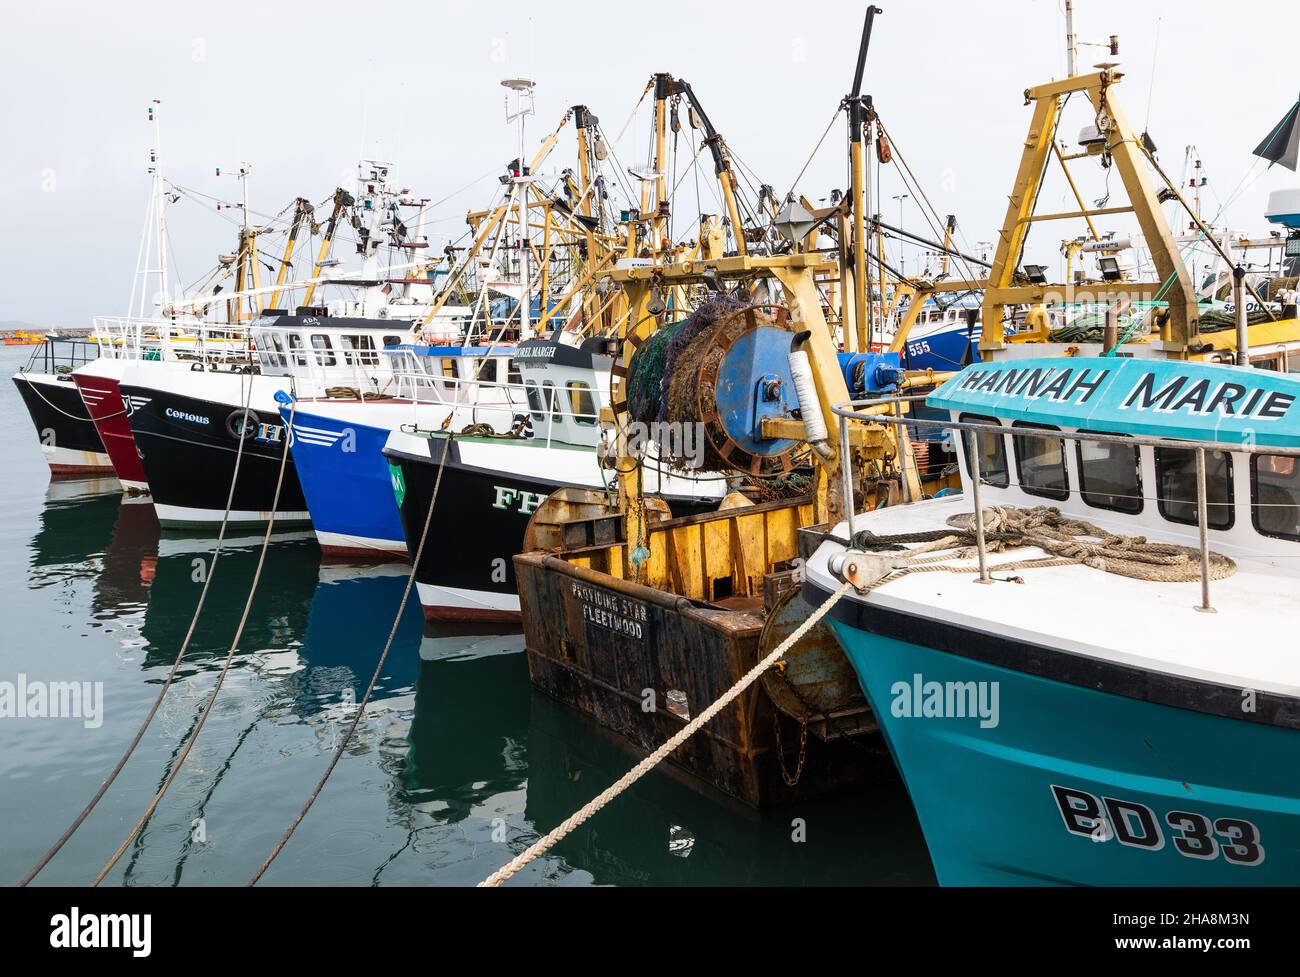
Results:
x,y
374,678
645,766
171,674
225,668
107,417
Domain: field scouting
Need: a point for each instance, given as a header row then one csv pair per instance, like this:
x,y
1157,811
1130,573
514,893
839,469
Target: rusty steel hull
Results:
x,y
614,649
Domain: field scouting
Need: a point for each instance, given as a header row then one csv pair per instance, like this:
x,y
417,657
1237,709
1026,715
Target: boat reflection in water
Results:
x,y
456,766
76,526
493,762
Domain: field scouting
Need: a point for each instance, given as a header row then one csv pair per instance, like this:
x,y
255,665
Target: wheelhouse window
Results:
x,y
358,350
992,451
1176,481
1110,474
392,340
582,404
513,376
271,351
1040,461
324,352
535,401
553,400
448,366
1275,495
487,370
297,349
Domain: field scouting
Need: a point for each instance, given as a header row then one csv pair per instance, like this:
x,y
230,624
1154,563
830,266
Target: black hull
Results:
x,y
49,406
190,463
471,540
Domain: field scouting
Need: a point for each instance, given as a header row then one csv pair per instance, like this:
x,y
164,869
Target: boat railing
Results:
x,y
894,411
138,338
363,370
59,356
556,402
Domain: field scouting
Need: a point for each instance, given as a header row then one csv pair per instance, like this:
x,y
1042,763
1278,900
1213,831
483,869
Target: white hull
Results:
x,y
176,515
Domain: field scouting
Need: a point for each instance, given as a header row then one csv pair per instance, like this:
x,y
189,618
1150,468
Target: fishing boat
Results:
x,y
188,419
492,483
24,337
160,325
125,343
69,441
1113,706
337,443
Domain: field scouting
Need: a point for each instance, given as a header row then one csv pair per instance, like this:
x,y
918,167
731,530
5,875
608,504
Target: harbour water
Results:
x,y
457,765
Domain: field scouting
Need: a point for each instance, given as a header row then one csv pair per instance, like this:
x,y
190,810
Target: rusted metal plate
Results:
x,y
817,684
615,649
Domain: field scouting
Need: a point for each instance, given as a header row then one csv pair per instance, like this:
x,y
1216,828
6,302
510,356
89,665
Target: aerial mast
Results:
x,y
523,89
153,241
1071,42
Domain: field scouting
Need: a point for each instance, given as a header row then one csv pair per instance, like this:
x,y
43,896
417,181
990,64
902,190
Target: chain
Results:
x,y
790,780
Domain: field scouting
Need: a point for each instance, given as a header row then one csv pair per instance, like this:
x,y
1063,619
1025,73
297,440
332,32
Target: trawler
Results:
x,y
188,420
337,442
69,441
1129,744
492,483
1143,732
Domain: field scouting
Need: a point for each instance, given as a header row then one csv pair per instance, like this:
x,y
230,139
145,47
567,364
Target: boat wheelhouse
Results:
x,y
1117,704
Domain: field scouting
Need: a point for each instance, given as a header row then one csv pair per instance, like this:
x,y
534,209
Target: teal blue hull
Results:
x,y
1194,798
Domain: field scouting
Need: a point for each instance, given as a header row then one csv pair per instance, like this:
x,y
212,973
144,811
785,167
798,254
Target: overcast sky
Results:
x,y
301,90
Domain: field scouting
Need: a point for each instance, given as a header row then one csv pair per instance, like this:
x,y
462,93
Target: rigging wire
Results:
x,y
816,150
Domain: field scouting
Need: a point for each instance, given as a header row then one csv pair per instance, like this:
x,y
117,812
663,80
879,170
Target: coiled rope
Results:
x,y
1066,539
225,667
167,683
374,678
645,766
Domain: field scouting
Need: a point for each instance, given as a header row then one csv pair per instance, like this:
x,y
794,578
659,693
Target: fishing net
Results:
x,y
646,372
1090,327
699,323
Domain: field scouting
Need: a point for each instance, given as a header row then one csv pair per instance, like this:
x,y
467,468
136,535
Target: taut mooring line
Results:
x,y
225,668
171,674
645,766
374,678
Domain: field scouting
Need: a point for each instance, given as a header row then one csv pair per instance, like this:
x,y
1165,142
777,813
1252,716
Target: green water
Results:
x,y
456,767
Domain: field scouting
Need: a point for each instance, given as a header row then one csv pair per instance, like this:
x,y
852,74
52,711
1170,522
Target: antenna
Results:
x,y
523,107
1072,42
153,239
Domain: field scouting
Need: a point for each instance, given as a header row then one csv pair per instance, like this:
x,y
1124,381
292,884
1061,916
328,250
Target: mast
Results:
x,y
523,89
160,210
153,239
859,107
1071,42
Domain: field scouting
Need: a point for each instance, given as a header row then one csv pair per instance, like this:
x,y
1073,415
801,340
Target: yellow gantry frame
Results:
x,y
1179,331
797,274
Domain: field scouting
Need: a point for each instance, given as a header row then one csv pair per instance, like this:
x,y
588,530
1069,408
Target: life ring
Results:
x,y
233,427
